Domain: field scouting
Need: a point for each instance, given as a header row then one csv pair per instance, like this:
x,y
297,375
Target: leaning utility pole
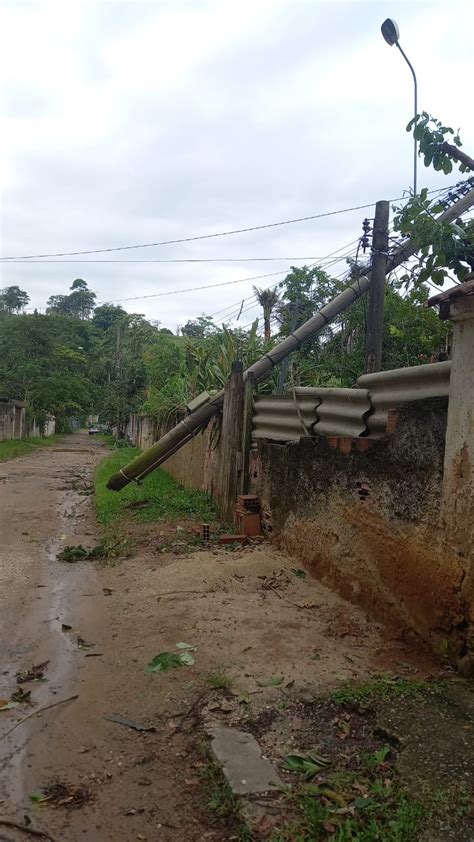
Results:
x,y
374,342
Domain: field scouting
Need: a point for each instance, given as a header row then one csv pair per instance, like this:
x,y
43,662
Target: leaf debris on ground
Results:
x,y
59,794
35,673
172,660
129,723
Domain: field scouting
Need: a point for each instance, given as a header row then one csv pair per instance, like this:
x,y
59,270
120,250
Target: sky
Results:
x,y
129,122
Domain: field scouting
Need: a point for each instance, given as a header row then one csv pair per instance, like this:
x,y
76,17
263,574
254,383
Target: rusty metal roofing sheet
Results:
x,y
341,412
389,389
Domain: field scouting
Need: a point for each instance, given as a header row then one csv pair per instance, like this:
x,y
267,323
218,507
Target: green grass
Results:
x,y
107,438
386,813
19,447
226,806
220,680
158,497
381,688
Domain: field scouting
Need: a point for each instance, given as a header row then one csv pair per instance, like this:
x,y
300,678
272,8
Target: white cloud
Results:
x,y
139,121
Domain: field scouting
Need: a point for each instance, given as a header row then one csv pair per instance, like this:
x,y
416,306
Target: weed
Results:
x,y
393,817
224,804
162,497
20,447
372,760
220,680
107,438
381,688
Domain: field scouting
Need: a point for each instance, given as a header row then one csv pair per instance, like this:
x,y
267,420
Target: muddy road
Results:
x,y
247,613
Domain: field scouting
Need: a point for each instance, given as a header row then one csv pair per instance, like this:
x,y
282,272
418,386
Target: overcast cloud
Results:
x,y
130,122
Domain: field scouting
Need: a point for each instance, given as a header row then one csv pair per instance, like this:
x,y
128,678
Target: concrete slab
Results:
x,y
239,754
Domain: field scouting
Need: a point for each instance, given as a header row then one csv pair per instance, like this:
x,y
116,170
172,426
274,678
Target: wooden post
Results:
x,y
247,434
230,456
377,288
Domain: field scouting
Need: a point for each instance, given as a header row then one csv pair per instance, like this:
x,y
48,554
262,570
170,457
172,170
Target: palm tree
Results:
x,y
268,299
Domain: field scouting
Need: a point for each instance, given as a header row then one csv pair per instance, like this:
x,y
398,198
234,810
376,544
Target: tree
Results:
x,y
46,362
106,315
79,284
199,328
79,303
13,299
443,248
268,299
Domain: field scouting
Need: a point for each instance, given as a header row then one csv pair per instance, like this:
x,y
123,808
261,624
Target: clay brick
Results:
x,y
250,524
233,539
345,445
363,444
249,502
392,419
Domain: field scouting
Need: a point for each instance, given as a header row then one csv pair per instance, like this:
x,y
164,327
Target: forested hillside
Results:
x,y
79,359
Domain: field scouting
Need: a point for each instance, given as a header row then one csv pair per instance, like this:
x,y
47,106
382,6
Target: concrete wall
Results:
x,y
12,420
368,522
194,465
48,429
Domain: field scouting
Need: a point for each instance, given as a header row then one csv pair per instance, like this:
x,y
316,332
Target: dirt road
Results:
x,y
249,615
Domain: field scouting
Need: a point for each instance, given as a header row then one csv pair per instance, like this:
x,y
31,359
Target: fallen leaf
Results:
x,y
65,627
81,643
6,705
300,574
36,797
186,658
164,662
129,723
21,695
107,591
272,682
309,765
329,828
35,673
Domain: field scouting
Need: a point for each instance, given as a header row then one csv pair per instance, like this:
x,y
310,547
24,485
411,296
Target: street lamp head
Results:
x,y
390,31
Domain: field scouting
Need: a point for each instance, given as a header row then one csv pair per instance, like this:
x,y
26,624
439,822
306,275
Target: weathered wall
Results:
x,y
12,420
195,465
368,522
47,429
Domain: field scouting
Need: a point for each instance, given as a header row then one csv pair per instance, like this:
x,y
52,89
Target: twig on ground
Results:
x,y
36,713
42,834
173,593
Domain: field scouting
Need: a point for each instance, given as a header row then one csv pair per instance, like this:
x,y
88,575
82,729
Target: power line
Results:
x,y
194,289
208,236
171,260
193,239
324,262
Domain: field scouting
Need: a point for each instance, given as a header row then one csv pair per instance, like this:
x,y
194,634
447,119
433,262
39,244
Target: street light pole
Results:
x,y
391,34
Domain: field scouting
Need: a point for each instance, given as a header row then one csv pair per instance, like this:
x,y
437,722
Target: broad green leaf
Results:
x,y
36,797
361,803
164,662
186,658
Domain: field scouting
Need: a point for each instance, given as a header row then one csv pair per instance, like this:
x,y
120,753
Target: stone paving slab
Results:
x,y
240,756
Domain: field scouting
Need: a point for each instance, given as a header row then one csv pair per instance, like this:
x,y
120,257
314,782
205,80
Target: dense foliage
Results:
x,y
80,359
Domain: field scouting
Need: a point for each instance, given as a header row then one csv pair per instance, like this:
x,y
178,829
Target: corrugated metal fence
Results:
x,y
362,411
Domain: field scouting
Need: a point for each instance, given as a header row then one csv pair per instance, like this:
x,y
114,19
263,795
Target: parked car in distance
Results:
x,y
93,429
